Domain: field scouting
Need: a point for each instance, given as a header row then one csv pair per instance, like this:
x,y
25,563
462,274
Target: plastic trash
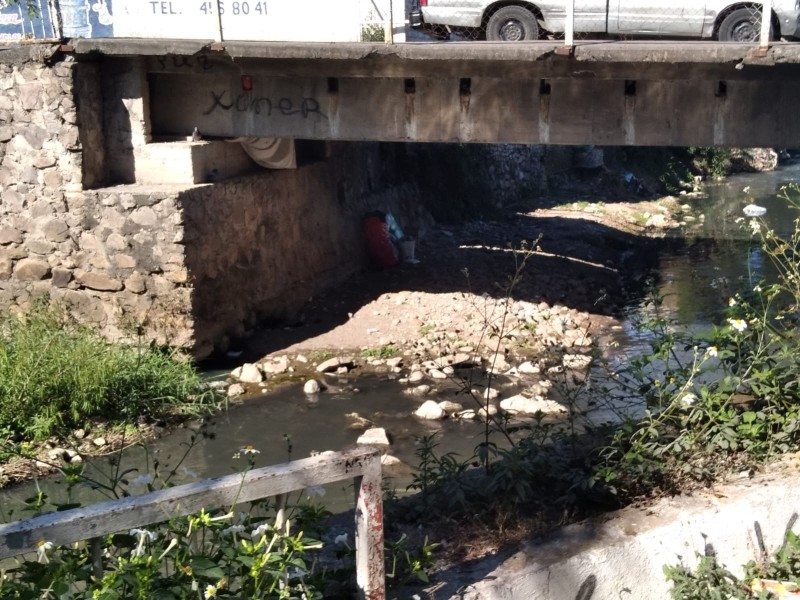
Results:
x,y
753,210
394,229
381,250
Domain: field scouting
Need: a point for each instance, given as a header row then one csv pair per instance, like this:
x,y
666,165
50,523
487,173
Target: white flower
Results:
x,y
688,399
738,324
42,548
755,227
757,289
211,591
711,351
143,535
732,302
246,450
315,490
259,531
341,540
172,543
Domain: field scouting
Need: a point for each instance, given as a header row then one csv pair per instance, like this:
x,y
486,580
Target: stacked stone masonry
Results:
x,y
188,266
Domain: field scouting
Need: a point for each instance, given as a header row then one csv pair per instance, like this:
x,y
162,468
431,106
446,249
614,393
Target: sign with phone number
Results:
x,y
255,20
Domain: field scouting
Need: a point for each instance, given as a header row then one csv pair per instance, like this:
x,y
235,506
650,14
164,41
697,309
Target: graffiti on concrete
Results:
x,y
247,102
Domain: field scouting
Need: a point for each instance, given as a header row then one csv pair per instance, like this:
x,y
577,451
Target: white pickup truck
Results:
x,y
519,20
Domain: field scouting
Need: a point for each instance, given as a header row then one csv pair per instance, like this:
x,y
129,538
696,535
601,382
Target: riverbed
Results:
x,y
695,278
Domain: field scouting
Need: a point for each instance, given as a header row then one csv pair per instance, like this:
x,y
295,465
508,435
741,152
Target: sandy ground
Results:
x,y
588,258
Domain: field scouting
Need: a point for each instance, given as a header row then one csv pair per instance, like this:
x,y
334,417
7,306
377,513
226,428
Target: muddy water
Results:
x,y
282,425
695,281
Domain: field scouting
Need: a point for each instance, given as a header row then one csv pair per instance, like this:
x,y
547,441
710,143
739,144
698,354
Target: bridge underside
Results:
x,y
652,94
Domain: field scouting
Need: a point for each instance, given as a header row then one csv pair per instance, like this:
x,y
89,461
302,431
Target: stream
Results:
x,y
695,280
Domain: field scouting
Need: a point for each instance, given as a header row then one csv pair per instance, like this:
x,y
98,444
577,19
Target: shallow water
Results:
x,y
696,281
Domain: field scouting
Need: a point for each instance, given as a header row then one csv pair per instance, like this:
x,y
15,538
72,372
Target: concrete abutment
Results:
x,y
118,229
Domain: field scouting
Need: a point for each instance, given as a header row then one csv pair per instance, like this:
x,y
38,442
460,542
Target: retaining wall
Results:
x,y
185,265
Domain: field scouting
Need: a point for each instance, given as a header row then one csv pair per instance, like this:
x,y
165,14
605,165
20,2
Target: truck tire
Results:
x,y
742,25
512,24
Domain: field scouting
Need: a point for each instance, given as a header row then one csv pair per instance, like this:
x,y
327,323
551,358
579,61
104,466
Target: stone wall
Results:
x,y
186,266
194,265
261,246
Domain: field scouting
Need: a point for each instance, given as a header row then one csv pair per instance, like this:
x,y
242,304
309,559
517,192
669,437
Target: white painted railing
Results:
x,y
569,25
766,22
362,464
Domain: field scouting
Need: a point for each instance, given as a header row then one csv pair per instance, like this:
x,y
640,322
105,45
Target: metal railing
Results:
x,y
389,21
361,464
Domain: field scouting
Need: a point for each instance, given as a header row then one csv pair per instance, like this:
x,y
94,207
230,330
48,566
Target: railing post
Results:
x,y
280,511
96,548
218,4
569,23
370,575
766,23
389,25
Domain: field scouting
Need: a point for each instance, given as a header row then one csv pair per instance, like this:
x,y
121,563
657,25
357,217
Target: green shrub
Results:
x,y
387,351
56,374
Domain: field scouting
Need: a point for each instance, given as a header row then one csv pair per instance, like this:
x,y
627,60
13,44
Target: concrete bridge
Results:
x,y
661,93
110,207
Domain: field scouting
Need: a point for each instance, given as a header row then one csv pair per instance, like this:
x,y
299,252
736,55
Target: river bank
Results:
x,y
470,300
416,322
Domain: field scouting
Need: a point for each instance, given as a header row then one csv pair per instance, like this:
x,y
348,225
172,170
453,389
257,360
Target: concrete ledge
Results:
x,y
667,51
622,555
187,162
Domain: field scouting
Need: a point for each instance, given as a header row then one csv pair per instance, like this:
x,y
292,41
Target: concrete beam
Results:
x,y
479,109
606,93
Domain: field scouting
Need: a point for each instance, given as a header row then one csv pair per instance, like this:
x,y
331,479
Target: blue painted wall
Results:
x,y
17,25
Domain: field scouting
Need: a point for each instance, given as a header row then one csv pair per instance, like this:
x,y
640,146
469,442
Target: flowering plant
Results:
x,y
719,401
213,554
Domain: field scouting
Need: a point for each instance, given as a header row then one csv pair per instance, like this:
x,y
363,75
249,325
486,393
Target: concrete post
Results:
x,y
399,20
388,24
569,23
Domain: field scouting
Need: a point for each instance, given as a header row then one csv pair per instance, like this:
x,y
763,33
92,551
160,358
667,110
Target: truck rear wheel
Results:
x,y
512,24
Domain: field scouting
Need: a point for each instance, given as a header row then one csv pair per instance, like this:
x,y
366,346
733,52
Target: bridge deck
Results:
x,y
603,92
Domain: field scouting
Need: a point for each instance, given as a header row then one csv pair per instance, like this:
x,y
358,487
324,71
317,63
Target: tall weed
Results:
x,y
56,374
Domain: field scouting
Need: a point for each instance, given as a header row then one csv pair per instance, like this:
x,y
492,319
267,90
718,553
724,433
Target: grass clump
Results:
x,y
387,351
55,374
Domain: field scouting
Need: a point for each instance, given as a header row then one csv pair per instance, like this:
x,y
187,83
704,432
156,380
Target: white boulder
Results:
x,y
374,437
431,411
520,405
312,386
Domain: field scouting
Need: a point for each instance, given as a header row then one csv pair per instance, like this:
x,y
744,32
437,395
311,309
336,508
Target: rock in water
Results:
x,y
312,387
374,437
753,210
431,411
